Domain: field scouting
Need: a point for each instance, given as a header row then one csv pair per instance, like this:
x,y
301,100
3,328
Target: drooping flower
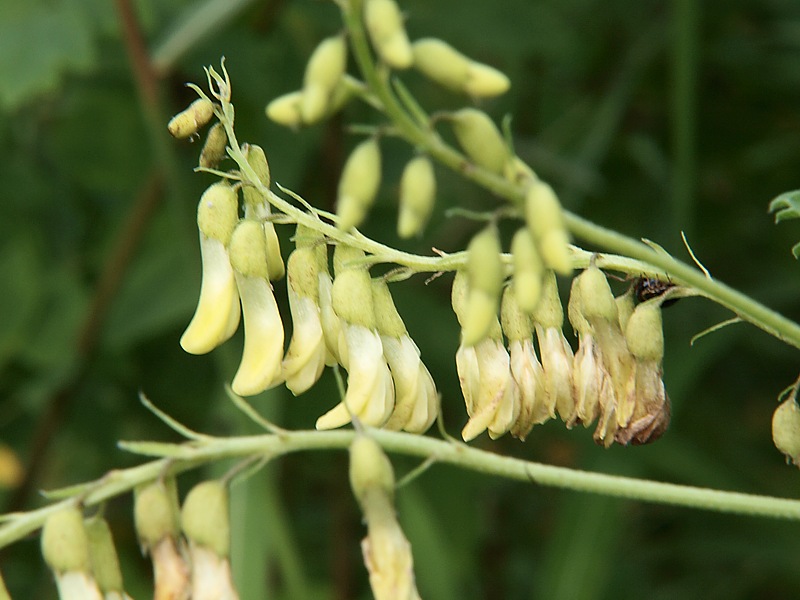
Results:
x,y
370,391
260,367
491,395
416,401
387,553
217,315
205,520
305,358
525,366
65,548
555,351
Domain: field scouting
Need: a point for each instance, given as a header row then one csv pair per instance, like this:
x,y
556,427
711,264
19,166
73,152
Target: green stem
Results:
x,y
743,306
194,454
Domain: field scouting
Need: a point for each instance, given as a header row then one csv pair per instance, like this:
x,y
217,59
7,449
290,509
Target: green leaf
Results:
x,y
786,206
796,250
42,41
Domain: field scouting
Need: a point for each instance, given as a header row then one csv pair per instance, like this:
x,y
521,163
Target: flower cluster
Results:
x,y
615,377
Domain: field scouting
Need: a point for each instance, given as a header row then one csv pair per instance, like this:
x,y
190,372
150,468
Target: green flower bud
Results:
x,y
786,430
518,172
286,110
155,514
187,122
370,469
545,220
484,81
441,62
218,212
385,27
484,262
644,333
65,546
597,300
105,563
417,196
214,149
446,66
528,270
359,184
486,273
480,139
303,272
248,249
325,67
205,517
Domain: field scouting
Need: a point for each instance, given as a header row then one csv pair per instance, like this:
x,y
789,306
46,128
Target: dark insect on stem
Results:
x,y
647,288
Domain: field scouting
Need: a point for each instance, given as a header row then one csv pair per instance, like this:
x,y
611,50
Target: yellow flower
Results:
x,y
217,315
305,358
370,390
416,402
260,367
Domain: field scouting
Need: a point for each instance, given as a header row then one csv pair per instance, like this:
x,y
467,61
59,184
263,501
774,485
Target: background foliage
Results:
x,y
650,117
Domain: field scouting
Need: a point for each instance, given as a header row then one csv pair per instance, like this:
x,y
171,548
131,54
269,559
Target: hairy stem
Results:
x,y
196,453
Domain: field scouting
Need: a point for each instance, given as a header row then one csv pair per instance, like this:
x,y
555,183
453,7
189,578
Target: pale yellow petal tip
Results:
x,y
334,418
472,430
217,315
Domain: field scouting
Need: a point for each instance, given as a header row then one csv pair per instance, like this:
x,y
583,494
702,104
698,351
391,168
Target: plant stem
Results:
x,y
194,454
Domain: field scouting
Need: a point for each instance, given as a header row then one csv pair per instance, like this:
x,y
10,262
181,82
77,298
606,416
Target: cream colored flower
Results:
x,y
370,390
217,315
260,367
416,401
305,358
387,553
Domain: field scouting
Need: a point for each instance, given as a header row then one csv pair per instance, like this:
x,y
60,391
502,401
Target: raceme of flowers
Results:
x,y
516,368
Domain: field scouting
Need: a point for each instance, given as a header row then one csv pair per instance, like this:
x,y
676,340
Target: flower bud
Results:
x,y
387,32
187,122
257,207
417,196
205,521
480,139
214,149
370,469
65,546
786,430
352,297
625,306
257,159
446,66
644,332
359,184
205,518
485,272
157,525
325,67
528,270
545,220
484,81
286,109
155,514
105,563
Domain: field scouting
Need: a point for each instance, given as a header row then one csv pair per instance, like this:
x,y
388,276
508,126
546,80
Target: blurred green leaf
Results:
x,y
786,206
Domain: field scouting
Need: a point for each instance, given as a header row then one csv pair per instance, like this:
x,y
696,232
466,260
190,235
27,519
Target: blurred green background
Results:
x,y
650,117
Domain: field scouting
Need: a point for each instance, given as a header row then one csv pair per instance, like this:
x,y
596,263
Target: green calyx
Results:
x,y
387,319
205,517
